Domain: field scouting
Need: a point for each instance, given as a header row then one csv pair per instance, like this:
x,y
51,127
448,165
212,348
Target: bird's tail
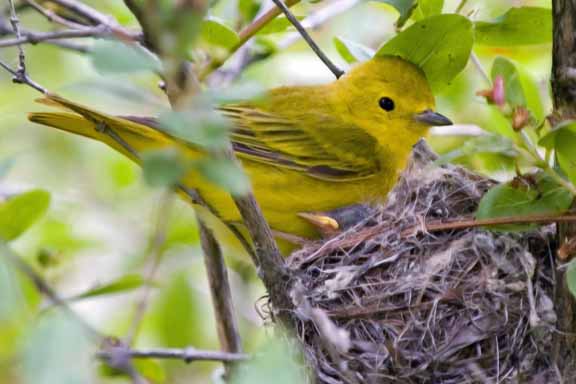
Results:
x,y
139,134
128,135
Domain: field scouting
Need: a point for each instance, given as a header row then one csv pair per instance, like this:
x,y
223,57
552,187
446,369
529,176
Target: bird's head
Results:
x,y
390,98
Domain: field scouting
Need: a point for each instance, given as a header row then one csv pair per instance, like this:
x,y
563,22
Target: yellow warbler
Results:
x,y
305,148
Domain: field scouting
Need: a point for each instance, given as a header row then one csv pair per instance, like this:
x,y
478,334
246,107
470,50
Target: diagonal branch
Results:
x,y
45,289
321,55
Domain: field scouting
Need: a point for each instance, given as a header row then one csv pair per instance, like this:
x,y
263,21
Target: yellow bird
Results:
x,y
304,148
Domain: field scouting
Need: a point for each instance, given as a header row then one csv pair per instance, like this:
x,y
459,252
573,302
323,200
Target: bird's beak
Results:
x,y
432,118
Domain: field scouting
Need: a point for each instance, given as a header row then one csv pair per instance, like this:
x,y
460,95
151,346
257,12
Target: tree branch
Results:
x,y
563,82
321,55
99,31
121,352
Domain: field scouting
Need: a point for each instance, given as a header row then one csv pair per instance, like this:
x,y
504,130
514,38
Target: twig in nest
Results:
x,y
436,226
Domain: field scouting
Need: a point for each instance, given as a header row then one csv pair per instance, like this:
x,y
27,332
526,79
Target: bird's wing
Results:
x,y
325,149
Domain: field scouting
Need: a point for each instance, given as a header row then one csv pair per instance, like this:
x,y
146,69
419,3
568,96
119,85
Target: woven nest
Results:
x,y
387,302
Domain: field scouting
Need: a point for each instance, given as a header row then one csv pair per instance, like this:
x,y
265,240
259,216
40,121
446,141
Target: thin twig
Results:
x,y
156,252
187,355
460,6
99,31
46,290
480,68
321,55
15,22
435,226
317,18
52,16
87,12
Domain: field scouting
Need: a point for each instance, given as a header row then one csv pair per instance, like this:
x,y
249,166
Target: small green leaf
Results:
x,y
20,212
110,56
512,87
122,284
404,8
278,25
571,278
203,127
178,314
443,48
225,174
549,140
151,370
520,89
215,32
523,198
351,51
518,26
277,362
566,153
57,351
163,167
427,8
248,9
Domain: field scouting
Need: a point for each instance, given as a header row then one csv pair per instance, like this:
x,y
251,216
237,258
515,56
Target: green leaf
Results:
x,y
225,174
202,127
274,363
278,25
566,153
122,284
20,212
151,370
549,140
351,51
518,26
110,56
404,8
522,197
571,278
179,314
443,48
58,351
215,32
512,87
520,89
480,144
162,167
427,8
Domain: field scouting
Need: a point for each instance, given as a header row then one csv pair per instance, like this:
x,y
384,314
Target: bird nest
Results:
x,y
390,302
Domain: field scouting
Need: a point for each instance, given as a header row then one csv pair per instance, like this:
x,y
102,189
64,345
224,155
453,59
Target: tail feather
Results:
x,y
86,122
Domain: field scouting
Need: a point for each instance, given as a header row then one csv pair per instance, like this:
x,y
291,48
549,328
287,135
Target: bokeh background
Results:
x,y
102,215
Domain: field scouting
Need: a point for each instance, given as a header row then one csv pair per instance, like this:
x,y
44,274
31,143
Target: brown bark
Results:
x,y
564,97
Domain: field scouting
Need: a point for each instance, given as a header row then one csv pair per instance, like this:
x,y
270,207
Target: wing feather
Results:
x,y
315,150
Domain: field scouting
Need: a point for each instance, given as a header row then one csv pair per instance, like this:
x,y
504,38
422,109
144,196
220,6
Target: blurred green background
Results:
x,y
102,216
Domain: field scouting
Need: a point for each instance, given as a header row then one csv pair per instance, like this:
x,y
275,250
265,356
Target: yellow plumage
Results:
x,y
313,148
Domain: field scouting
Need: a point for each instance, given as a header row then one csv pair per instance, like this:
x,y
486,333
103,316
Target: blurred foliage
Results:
x,y
84,217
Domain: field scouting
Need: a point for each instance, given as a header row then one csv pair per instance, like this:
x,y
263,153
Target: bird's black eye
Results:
x,y
386,104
